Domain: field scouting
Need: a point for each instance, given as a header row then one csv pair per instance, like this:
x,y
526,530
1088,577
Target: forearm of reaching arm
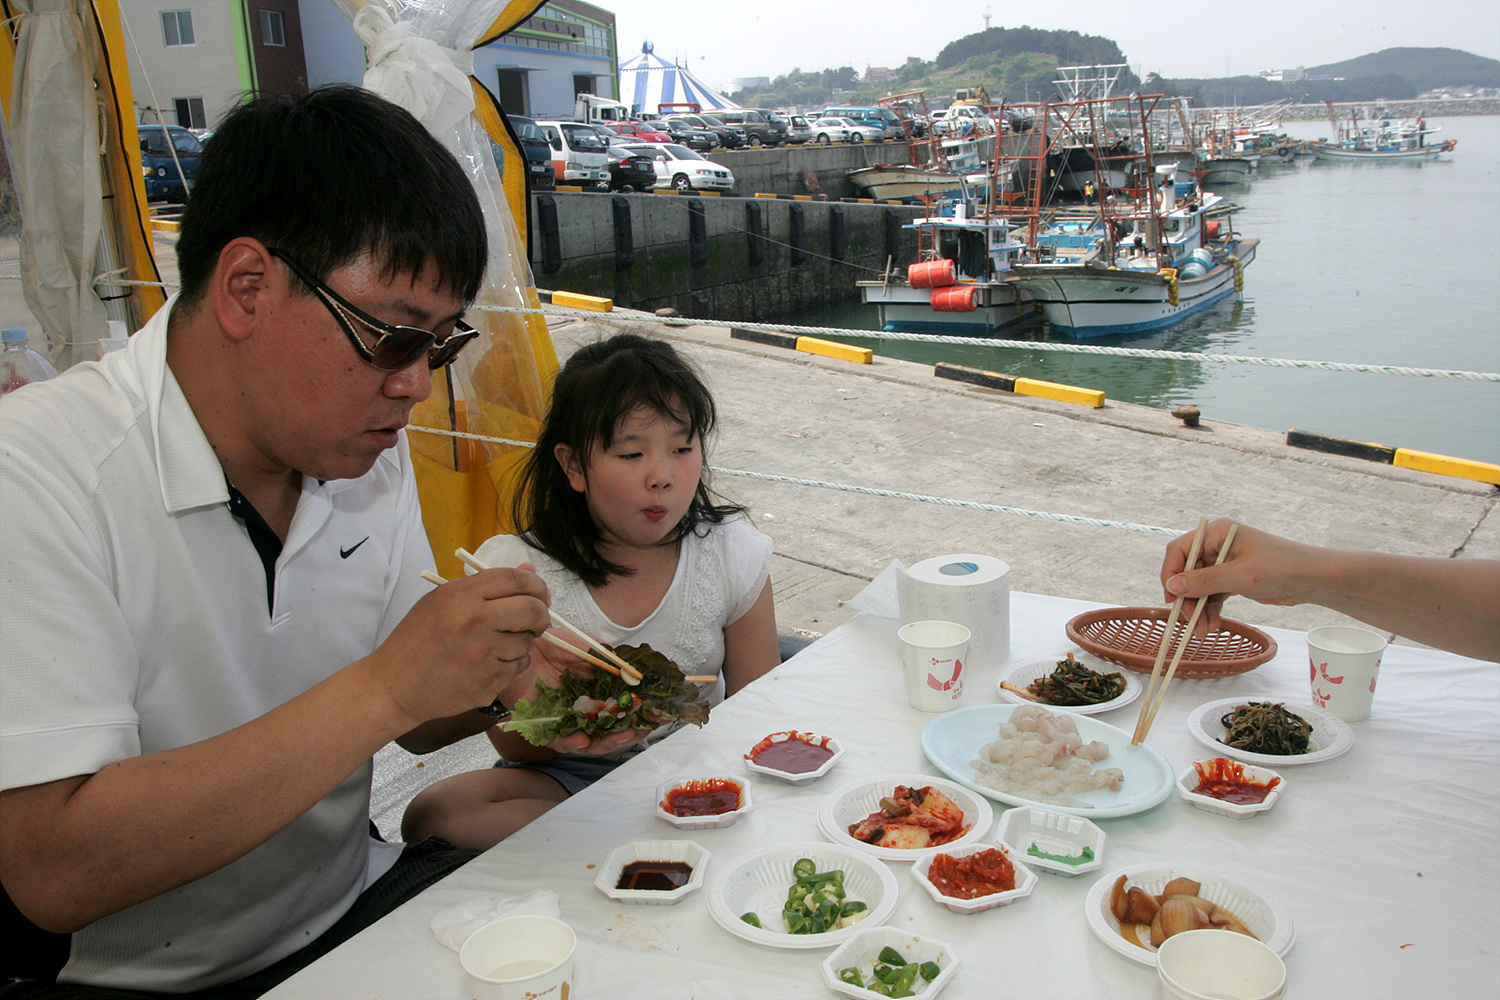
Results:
x,y
75,850
1453,604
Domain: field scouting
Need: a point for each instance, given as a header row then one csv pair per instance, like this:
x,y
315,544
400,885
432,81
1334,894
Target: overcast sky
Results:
x,y
722,40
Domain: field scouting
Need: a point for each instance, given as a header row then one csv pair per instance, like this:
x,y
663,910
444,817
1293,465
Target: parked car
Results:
x,y
760,129
578,153
164,181
858,131
630,170
685,133
538,151
874,116
728,136
637,131
798,130
826,130
681,168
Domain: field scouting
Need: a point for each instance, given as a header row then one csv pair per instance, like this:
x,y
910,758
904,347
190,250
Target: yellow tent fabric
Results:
x,y
465,485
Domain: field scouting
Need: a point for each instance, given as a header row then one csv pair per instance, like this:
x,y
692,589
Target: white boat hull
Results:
x,y
904,309
1090,301
1322,152
1225,170
885,183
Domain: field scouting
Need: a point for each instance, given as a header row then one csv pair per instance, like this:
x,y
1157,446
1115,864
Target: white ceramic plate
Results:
x,y
952,741
759,884
1027,672
1331,736
853,803
1266,918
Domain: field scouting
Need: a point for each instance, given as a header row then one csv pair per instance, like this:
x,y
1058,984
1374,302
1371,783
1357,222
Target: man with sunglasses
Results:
x,y
214,613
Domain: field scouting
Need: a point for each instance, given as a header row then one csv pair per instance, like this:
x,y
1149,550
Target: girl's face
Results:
x,y
640,487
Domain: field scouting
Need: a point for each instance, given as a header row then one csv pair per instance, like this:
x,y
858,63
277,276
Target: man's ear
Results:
x,y
238,286
571,466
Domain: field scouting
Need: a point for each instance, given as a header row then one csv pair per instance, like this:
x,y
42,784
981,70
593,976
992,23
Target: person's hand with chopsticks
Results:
x,y
1444,602
463,645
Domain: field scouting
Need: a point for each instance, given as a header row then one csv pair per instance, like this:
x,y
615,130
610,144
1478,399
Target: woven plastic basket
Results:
x,y
1131,636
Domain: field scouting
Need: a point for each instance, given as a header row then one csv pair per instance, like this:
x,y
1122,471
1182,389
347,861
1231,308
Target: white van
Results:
x,y
578,153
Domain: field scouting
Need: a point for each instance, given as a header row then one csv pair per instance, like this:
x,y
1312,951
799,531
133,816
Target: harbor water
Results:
x,y
1366,263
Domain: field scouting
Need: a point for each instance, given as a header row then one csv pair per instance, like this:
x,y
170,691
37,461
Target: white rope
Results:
x,y
862,490
1034,345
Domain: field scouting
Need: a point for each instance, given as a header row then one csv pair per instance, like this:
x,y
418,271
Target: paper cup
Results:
x,y
1217,964
1342,662
933,654
519,958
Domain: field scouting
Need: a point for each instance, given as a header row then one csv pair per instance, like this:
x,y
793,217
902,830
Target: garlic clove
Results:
x,y
1174,917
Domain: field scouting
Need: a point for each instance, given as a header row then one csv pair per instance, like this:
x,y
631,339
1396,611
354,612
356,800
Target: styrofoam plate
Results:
x,y
759,882
1267,919
853,803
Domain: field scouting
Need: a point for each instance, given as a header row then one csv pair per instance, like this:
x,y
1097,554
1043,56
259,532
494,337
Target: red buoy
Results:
x,y
931,274
959,298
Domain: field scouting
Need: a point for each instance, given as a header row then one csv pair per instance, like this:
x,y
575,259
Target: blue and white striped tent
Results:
x,y
648,81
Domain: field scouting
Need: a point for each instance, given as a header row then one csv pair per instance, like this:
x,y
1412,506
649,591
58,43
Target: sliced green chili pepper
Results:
x,y
804,868
929,971
751,919
890,956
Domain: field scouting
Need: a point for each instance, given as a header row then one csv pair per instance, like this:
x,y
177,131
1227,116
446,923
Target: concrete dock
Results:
x,y
893,426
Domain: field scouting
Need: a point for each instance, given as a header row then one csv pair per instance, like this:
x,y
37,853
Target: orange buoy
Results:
x,y
958,298
1211,229
931,274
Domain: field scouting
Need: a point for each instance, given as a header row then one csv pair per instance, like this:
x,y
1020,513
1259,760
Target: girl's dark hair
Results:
x,y
600,384
328,176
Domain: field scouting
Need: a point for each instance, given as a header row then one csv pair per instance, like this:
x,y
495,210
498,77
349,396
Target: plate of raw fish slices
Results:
x,y
955,741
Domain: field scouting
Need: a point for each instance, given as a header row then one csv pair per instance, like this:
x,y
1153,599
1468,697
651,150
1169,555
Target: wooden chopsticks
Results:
x,y
1155,694
630,674
633,677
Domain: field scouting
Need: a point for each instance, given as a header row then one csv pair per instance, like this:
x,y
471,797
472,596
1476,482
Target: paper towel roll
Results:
x,y
972,590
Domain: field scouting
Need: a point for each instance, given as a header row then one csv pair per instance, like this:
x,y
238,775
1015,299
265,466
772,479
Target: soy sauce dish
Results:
x,y
653,872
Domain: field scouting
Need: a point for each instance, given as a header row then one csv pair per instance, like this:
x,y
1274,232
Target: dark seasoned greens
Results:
x,y
1265,727
605,704
1072,683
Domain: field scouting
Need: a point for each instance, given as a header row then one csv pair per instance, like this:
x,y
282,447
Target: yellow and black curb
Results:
x,y
807,345
1401,458
1020,385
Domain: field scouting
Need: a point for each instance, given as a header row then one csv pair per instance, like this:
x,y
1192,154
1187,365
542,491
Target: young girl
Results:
x,y
620,523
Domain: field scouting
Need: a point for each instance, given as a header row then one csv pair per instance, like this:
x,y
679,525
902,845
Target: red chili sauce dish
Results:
x,y
1225,780
704,797
791,753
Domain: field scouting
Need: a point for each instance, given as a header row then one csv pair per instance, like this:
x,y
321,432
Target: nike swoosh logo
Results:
x,y
346,553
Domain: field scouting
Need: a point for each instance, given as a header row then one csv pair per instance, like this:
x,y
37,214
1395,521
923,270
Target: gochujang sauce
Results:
x,y
793,756
1225,780
663,876
708,797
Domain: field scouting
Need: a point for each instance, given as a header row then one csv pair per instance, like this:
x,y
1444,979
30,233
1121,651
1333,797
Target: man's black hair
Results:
x,y
602,383
329,176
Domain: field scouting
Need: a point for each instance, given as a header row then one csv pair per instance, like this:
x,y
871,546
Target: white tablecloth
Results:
x,y
1386,857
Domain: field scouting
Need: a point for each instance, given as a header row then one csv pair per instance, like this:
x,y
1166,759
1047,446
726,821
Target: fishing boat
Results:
x,y
939,168
958,285
1150,269
1386,140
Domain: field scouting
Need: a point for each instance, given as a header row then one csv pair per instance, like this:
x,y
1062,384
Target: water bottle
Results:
x,y
19,364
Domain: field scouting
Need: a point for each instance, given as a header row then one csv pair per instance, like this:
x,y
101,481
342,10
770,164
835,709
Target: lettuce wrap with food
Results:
x,y
604,703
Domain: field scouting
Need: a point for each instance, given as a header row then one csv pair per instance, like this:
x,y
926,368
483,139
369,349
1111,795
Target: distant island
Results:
x,y
1020,64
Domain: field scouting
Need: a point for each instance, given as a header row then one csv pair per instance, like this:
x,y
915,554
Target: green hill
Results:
x,y
1426,69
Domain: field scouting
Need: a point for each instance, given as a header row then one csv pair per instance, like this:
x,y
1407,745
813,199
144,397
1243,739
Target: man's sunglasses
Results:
x,y
396,347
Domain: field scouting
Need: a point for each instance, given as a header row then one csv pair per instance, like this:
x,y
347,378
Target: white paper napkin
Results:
x,y
879,596
453,926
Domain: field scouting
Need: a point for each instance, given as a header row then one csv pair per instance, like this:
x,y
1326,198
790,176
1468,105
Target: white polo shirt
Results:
x,y
135,620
